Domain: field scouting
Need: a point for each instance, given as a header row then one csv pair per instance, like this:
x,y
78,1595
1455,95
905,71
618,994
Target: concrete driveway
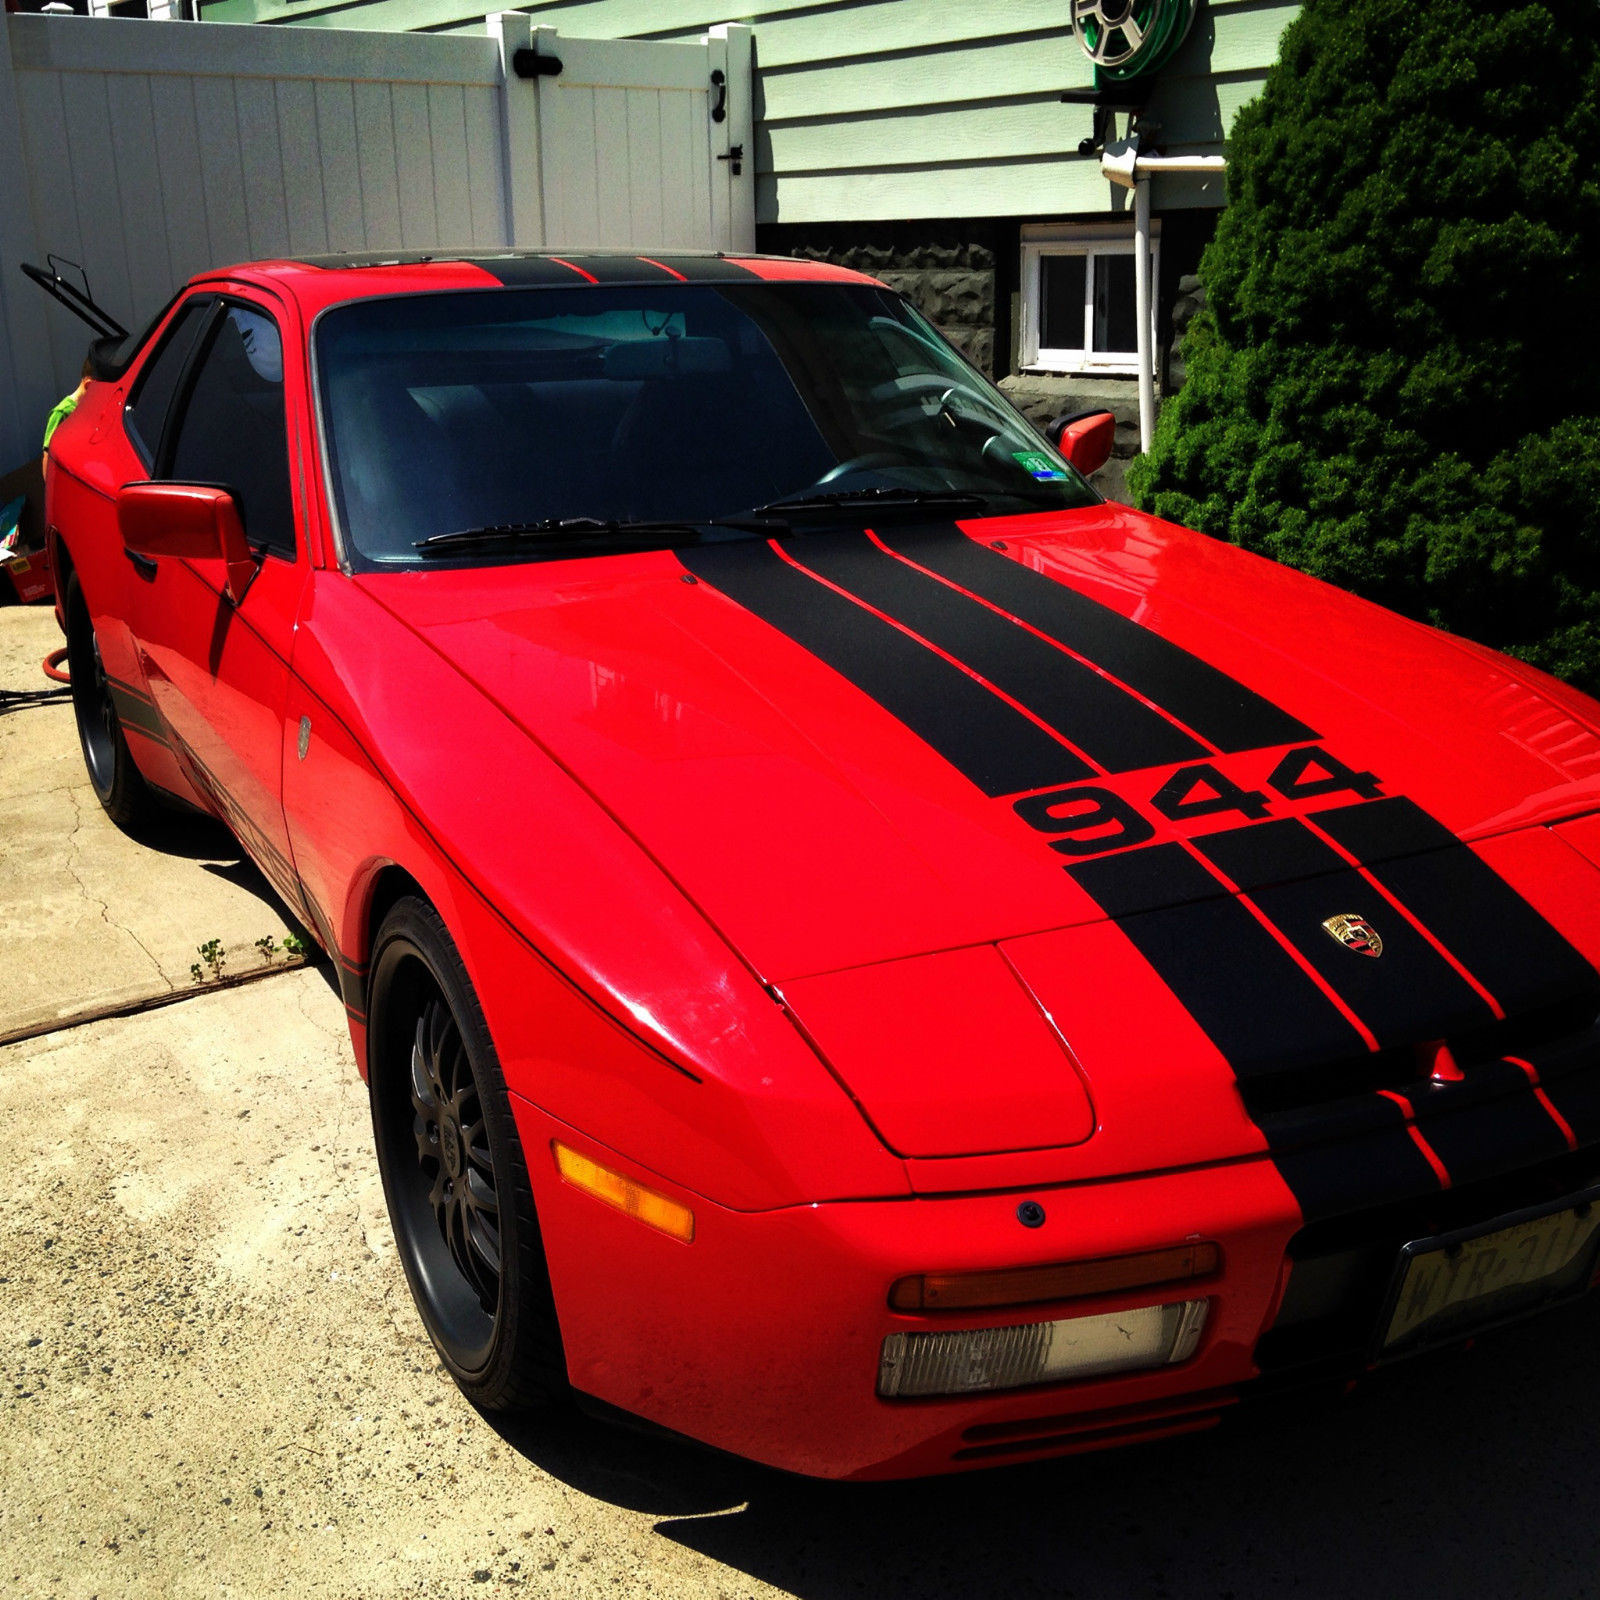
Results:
x,y
214,1382
88,920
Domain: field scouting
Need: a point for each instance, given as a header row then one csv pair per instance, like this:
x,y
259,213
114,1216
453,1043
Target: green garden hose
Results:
x,y
1128,40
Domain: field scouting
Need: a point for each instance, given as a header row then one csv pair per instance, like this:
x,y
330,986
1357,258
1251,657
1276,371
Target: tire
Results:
x,y
453,1171
116,781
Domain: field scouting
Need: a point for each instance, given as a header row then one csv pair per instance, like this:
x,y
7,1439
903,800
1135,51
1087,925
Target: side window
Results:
x,y
152,395
232,430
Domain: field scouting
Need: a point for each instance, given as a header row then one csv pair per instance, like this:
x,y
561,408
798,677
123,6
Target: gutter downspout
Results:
x,y
1122,163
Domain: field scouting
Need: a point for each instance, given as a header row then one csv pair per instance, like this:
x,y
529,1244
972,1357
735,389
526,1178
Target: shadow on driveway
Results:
x,y
191,835
1468,1474
194,836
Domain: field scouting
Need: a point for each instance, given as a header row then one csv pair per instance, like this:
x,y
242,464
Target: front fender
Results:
x,y
613,1004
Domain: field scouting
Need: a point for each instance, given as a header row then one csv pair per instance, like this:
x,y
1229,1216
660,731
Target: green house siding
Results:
x,y
904,108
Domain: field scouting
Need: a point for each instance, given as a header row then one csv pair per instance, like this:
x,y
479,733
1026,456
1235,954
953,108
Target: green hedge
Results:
x,y
1395,384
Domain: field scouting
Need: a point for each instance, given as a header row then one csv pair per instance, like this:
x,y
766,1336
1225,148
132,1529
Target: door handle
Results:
x,y
143,565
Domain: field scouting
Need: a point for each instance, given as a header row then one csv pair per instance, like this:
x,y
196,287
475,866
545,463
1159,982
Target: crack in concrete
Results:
x,y
7,741
65,1022
336,1139
337,1150
336,1034
75,849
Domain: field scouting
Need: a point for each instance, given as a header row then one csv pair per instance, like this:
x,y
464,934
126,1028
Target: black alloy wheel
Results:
x,y
453,1170
453,1152
116,781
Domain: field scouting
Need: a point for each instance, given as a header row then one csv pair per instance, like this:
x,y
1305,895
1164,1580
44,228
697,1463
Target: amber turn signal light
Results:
x,y
1069,1280
642,1204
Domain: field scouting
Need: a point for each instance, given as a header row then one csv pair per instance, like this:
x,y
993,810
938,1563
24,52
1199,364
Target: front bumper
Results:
x,y
763,1336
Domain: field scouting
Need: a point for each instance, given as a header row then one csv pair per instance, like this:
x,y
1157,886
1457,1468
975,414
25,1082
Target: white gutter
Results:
x,y
1123,164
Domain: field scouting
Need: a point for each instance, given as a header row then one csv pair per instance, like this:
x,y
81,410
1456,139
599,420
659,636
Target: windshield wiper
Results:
x,y
554,531
872,499
565,532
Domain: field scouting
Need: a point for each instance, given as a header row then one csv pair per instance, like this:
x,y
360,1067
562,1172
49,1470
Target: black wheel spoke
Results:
x,y
423,1098
454,1159
475,1266
476,1139
486,1246
455,1235
453,1067
439,1026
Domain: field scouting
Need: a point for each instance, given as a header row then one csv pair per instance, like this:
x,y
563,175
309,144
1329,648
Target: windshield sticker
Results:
x,y
1038,465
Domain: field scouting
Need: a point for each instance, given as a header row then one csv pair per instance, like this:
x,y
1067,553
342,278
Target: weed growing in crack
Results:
x,y
214,956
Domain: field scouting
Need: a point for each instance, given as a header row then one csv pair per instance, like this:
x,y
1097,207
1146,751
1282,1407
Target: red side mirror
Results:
x,y
195,522
1086,439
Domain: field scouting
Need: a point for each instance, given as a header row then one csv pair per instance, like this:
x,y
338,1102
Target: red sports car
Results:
x,y
864,954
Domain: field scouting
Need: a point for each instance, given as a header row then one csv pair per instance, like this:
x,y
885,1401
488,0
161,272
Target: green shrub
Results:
x,y
1395,384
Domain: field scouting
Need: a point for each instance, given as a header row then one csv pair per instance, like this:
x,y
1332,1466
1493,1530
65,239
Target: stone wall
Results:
x,y
1042,398
947,269
1190,302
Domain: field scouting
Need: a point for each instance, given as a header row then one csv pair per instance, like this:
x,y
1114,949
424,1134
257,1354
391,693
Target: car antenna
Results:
x,y
78,301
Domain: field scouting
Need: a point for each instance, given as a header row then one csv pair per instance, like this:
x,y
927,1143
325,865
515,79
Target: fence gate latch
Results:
x,y
736,156
528,63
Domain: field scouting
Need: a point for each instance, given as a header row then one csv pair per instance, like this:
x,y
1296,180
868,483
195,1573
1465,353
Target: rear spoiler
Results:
x,y
113,346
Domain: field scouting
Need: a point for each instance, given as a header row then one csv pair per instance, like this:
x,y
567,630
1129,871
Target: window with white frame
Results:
x,y
1078,297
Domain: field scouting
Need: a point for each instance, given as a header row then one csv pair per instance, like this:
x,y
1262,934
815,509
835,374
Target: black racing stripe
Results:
x,y
1408,994
1270,1021
1334,1179
1490,1124
1577,1098
1217,707
138,716
274,865
708,269
1569,1074
525,272
1109,725
1506,945
620,269
1352,1117
1156,878
1244,990
995,746
352,988
130,689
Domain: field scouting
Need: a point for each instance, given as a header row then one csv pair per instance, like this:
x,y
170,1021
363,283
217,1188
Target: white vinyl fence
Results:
x,y
148,151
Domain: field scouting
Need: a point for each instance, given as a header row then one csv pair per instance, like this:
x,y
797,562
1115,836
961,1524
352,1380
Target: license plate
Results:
x,y
1459,1282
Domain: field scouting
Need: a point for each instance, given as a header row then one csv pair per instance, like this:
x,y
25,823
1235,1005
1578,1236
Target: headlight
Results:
x,y
915,1364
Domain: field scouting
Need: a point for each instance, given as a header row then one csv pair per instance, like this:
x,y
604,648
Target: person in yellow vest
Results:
x,y
63,411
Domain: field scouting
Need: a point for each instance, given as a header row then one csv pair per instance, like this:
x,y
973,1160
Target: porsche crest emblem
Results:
x,y
1354,933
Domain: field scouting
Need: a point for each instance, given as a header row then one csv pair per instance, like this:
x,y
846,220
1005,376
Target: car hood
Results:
x,y
854,748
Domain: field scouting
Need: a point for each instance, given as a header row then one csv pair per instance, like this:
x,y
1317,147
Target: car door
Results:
x,y
217,669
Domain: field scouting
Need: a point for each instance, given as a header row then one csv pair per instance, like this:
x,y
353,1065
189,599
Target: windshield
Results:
x,y
687,403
